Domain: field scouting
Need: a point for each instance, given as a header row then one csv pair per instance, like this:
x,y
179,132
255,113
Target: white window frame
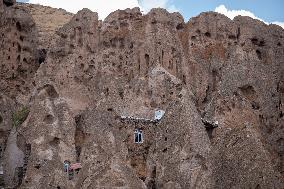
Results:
x,y
138,133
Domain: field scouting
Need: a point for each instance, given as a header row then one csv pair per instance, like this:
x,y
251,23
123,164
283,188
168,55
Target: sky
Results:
x,y
268,11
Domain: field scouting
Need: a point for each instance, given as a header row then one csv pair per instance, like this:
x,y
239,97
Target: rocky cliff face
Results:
x,y
89,84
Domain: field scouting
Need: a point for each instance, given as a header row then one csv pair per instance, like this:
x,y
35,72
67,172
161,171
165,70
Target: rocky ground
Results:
x,y
75,88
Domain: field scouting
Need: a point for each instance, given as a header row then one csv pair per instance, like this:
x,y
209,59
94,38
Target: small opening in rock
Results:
x,y
37,166
78,119
19,47
143,178
78,152
22,38
254,41
1,119
180,26
248,91
255,105
20,174
41,55
18,58
165,150
210,132
279,44
147,59
121,94
8,3
171,65
110,109
193,38
19,27
55,141
207,34
261,43
51,91
49,119
184,79
258,53
232,37
106,91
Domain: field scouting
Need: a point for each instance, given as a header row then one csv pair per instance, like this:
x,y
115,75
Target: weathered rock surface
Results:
x,y
18,53
98,81
47,21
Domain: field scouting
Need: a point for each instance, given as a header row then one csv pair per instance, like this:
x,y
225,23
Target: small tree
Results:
x,y
20,116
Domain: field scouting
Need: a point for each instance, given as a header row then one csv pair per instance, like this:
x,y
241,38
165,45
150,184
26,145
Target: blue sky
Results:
x,y
268,11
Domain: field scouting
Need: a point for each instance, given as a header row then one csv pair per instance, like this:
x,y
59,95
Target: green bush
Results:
x,y
20,116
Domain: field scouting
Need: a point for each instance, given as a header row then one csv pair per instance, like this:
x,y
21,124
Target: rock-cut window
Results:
x,y
138,136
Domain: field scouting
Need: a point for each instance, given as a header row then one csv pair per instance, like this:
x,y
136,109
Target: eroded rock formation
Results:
x,y
89,84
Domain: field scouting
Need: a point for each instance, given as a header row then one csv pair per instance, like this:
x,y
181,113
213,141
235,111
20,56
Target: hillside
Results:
x,y
78,89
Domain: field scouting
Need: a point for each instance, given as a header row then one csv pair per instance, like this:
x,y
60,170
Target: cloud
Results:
x,y
233,13
102,7
147,5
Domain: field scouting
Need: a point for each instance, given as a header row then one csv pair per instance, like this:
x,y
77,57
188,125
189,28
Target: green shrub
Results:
x,y
20,116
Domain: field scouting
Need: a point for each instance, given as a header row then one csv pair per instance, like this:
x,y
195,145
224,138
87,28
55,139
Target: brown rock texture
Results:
x,y
89,84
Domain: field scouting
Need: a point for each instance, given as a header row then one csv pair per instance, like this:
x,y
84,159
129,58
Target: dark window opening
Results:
x,y
138,136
